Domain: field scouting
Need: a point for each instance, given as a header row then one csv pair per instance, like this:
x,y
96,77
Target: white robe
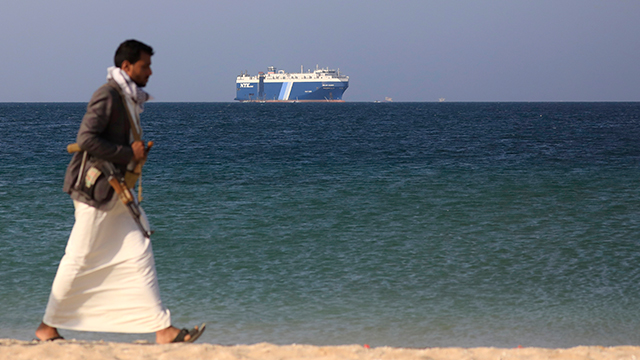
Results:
x,y
107,280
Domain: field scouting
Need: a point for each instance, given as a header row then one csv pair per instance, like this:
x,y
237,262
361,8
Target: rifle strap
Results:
x,y
81,172
132,123
131,177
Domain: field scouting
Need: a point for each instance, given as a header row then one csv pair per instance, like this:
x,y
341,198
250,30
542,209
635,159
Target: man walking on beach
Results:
x,y
106,280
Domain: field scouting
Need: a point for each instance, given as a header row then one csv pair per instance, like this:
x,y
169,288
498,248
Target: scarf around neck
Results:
x,y
129,87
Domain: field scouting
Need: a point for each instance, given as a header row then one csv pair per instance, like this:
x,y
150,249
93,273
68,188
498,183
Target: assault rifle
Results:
x,y
117,182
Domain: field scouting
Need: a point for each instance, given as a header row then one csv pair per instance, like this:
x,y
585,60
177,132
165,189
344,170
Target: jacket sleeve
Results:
x,y
94,134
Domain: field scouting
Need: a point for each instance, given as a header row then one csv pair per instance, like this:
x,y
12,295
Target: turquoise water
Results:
x,y
400,224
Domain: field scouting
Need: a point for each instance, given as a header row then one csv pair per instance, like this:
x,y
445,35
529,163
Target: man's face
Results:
x,y
140,71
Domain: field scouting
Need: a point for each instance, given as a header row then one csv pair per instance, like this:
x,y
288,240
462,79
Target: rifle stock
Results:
x,y
73,148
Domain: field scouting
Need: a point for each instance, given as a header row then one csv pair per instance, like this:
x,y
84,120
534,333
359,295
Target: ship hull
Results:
x,y
291,101
291,91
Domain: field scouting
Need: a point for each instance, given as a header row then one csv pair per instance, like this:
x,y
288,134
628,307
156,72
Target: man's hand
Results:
x,y
138,150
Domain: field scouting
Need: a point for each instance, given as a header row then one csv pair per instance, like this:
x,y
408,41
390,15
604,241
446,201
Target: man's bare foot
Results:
x,y
167,335
46,332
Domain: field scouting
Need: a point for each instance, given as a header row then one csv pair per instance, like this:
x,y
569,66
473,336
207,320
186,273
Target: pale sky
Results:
x,y
417,50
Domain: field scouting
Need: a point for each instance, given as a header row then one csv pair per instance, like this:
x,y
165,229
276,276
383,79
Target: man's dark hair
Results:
x,y
131,50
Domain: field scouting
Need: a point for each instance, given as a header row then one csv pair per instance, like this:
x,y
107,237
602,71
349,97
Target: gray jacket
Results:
x,y
104,134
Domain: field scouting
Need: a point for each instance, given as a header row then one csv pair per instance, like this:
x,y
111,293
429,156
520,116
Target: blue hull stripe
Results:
x,y
285,90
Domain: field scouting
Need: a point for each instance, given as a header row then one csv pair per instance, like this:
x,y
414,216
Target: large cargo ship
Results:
x,y
321,85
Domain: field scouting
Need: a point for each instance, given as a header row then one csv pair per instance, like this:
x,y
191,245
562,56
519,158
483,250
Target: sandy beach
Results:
x,y
76,350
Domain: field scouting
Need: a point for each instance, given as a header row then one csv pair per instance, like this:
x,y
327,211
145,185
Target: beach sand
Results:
x,y
98,350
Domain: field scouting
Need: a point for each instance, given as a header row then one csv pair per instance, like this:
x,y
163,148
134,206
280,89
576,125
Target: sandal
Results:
x,y
194,333
50,339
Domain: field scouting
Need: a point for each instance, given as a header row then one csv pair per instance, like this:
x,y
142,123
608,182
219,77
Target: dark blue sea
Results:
x,y
399,224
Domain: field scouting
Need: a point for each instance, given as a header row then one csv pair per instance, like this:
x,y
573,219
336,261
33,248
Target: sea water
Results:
x,y
399,224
